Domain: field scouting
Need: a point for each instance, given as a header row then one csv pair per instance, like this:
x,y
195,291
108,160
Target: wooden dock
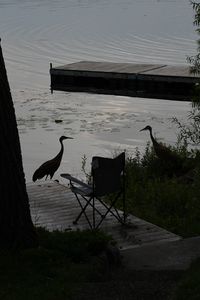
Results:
x,y
138,80
54,206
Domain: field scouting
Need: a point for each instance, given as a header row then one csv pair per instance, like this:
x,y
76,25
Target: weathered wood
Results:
x,y
54,206
138,80
107,67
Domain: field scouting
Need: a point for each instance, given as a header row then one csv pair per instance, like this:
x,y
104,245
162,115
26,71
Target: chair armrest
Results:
x,y
76,180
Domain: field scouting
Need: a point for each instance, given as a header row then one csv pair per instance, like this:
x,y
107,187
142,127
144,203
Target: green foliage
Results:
x,y
195,60
154,194
196,7
55,270
83,168
189,132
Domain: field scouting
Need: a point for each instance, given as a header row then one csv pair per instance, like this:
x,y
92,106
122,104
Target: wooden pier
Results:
x,y
54,206
137,80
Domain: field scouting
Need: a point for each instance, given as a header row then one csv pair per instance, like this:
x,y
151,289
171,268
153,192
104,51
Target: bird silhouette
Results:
x,y
175,164
163,152
50,167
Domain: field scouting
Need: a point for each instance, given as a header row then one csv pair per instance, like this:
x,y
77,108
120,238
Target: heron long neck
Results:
x,y
60,154
152,138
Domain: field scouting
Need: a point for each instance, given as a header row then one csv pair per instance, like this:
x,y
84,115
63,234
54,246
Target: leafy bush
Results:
x,y
155,194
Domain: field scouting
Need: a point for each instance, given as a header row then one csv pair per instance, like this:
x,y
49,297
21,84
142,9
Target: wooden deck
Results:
x,y
139,80
54,206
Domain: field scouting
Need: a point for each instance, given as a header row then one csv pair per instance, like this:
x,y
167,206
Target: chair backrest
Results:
x,y
106,173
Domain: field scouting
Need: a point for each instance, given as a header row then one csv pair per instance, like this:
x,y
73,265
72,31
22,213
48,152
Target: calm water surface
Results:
x,y
37,32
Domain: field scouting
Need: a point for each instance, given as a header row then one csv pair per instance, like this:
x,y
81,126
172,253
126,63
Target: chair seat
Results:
x,y
84,191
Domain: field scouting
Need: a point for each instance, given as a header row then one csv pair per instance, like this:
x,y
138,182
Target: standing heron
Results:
x,y
163,152
51,166
178,165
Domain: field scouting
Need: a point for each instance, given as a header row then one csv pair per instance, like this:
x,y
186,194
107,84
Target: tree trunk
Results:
x,y
16,227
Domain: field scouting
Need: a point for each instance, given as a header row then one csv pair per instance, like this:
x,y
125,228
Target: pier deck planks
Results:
x,y
54,206
108,67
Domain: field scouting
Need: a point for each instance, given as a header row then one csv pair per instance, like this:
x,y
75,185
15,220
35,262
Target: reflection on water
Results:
x,y
99,124
37,32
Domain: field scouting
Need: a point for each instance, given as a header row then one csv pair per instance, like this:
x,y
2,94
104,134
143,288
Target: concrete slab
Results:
x,y
176,255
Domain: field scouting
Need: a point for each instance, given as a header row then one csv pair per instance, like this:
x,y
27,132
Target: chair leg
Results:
x,y
124,207
83,208
93,211
109,210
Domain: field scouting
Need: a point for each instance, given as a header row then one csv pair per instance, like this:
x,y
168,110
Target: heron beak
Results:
x,y
66,137
143,129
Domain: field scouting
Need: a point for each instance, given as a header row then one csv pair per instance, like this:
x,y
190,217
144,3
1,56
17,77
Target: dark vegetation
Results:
x,y
57,269
189,286
155,194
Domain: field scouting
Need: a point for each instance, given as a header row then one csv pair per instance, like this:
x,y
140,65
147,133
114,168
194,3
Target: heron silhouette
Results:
x,y
51,166
163,152
174,162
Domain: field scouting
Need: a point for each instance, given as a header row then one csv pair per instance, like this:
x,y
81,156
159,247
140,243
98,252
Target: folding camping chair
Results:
x,y
108,178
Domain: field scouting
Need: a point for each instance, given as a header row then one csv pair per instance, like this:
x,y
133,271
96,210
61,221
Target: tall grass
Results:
x,y
155,194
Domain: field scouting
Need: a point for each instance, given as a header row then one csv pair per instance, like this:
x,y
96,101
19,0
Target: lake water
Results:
x,y
37,32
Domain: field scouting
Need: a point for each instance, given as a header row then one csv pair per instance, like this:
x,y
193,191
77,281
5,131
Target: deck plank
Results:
x,y
54,206
90,66
153,69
